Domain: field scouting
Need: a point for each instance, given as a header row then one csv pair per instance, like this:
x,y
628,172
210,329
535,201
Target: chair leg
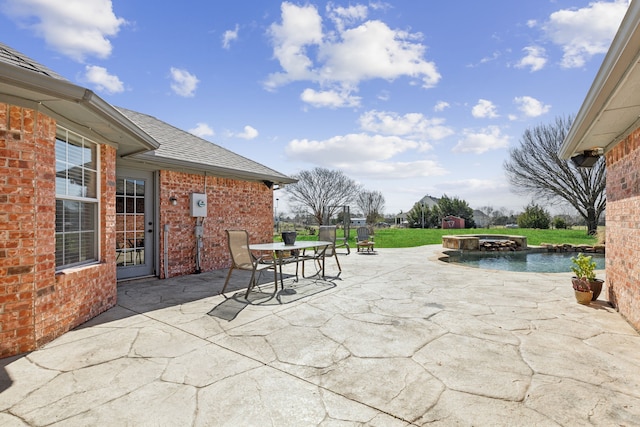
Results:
x,y
252,282
226,282
275,278
337,262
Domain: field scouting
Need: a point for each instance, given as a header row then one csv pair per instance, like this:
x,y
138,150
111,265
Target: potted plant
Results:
x,y
587,288
289,237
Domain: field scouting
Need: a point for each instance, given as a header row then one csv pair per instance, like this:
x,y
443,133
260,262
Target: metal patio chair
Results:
x,y
327,233
243,259
364,240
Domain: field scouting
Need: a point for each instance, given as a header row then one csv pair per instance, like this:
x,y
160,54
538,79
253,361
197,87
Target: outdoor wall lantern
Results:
x,y
173,200
588,158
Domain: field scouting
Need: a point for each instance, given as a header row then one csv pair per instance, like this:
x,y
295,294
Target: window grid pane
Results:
x,y
130,223
76,220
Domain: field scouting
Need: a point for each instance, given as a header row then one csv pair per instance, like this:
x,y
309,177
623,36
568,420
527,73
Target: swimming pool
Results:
x,y
525,261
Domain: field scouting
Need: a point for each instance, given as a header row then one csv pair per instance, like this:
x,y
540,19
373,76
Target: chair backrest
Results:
x,y
363,234
238,241
327,233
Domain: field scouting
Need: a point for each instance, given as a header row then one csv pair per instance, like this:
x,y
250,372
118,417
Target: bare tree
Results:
x,y
535,168
322,191
371,203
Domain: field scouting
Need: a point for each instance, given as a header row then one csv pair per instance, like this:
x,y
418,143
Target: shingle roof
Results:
x,y
13,57
183,149
177,148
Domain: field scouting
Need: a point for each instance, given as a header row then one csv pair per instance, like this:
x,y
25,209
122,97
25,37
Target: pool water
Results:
x,y
534,262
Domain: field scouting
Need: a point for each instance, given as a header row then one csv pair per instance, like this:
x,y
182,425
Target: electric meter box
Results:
x,y
198,204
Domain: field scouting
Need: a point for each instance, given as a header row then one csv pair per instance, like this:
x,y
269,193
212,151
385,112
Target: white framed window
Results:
x,y
77,199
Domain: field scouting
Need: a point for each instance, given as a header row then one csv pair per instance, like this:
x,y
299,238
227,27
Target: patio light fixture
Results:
x,y
173,200
588,158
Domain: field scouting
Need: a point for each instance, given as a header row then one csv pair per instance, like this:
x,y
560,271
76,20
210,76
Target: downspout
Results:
x,y
166,251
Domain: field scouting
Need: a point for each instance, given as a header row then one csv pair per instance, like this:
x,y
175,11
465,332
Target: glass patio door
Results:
x,y
134,225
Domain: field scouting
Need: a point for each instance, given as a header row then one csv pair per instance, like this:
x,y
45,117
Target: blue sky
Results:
x,y
406,97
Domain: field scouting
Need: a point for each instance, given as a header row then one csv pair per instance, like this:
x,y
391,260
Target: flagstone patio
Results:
x,y
398,338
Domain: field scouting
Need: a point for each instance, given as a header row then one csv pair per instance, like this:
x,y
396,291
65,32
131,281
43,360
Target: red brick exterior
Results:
x,y
36,304
623,227
230,204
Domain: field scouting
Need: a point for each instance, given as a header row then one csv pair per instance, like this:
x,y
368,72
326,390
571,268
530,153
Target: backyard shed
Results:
x,y
452,221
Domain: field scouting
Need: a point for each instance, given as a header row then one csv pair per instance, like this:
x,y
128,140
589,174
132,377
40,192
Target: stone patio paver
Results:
x,y
399,338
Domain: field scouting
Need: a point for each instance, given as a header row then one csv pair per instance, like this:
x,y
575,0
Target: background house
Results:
x,y
91,193
481,219
608,124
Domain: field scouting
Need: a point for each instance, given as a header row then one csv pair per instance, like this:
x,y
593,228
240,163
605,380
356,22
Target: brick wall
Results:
x,y
623,227
230,204
82,293
22,133
36,304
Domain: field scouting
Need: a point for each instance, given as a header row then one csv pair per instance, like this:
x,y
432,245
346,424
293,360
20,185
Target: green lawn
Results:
x,y
410,237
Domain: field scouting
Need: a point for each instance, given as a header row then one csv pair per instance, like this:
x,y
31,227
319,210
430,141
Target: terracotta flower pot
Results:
x,y
583,297
594,285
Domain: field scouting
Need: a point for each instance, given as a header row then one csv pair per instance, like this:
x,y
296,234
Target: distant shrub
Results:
x,y
559,223
534,216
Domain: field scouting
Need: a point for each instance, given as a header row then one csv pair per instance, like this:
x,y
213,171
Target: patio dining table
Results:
x,y
278,250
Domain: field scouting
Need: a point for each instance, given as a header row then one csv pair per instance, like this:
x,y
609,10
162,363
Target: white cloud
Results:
x,y
301,26
394,170
530,106
484,109
490,58
342,16
411,125
535,58
248,133
329,98
202,130
441,106
75,28
100,77
384,95
364,155
375,51
183,82
362,146
346,56
487,139
583,33
229,36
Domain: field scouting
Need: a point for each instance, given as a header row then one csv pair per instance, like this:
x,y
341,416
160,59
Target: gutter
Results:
x,y
151,158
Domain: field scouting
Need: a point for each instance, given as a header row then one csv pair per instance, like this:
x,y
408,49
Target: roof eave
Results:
x,y
616,66
49,91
